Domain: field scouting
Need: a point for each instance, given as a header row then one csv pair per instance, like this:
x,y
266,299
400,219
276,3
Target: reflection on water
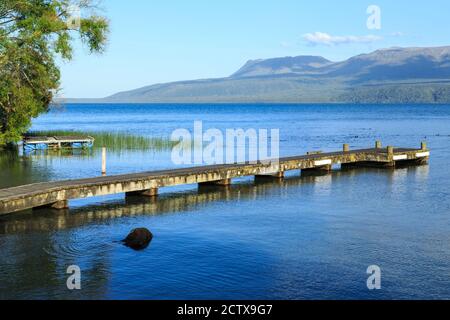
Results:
x,y
422,173
17,169
59,153
47,220
42,243
170,203
301,237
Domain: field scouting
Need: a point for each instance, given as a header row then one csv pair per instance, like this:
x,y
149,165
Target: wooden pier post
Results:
x,y
424,156
423,146
390,156
103,161
390,152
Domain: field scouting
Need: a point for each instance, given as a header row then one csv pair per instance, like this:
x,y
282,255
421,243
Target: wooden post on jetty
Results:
x,y
103,161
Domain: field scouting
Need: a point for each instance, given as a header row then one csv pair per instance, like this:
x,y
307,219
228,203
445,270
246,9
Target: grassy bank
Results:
x,y
114,140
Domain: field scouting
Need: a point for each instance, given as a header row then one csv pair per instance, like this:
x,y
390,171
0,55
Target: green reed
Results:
x,y
115,141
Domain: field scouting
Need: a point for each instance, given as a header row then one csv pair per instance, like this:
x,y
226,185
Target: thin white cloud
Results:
x,y
322,38
397,34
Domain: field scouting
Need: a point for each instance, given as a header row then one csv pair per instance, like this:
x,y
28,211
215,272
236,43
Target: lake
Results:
x,y
301,238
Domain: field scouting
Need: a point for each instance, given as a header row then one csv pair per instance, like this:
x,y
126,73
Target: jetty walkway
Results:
x,y
57,194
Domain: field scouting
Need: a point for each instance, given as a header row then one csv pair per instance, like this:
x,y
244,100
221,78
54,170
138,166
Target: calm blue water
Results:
x,y
302,238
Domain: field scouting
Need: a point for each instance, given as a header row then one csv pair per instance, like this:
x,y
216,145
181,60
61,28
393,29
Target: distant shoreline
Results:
x,y
100,101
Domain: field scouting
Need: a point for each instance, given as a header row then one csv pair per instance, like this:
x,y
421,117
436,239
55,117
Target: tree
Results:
x,y
32,34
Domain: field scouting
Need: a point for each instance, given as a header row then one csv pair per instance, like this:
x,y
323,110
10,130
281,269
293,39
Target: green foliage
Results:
x,y
32,33
436,93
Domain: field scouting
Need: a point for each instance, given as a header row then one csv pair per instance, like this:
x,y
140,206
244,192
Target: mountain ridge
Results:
x,y
392,75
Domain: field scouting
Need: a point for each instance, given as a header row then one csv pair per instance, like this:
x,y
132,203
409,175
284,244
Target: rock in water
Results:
x,y
138,239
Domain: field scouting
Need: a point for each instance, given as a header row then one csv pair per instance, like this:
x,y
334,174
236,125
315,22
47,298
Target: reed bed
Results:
x,y
116,141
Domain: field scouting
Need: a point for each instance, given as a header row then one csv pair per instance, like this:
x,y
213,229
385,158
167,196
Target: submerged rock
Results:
x,y
138,239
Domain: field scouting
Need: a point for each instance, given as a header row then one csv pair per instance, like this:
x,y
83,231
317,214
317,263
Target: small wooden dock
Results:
x,y
58,142
57,194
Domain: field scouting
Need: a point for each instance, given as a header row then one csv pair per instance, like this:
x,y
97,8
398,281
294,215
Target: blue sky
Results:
x,y
155,41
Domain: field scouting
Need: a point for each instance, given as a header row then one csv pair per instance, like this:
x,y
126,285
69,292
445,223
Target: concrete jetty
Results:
x,y
57,194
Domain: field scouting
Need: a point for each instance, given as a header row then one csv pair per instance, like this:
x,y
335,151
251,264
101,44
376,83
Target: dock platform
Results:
x,y
58,142
57,194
